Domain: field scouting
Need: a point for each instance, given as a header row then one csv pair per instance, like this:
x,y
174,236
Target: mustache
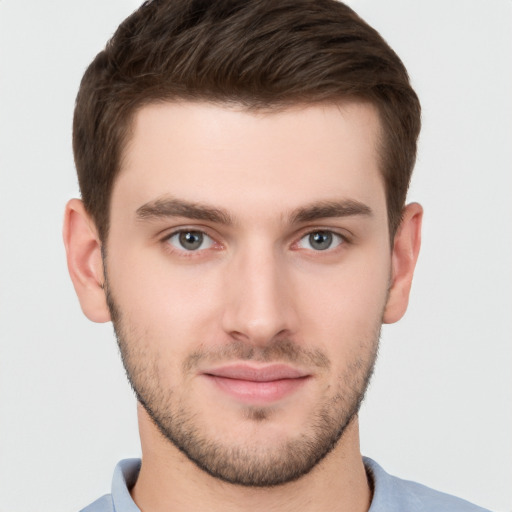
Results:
x,y
283,350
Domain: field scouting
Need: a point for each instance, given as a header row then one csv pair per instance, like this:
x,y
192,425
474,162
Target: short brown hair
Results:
x,y
261,54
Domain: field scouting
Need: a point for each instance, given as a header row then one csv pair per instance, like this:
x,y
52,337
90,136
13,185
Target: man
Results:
x,y
244,169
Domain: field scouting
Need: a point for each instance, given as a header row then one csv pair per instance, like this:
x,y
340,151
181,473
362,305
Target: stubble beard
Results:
x,y
239,464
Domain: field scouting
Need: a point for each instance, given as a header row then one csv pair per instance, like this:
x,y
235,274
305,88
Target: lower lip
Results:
x,y
258,392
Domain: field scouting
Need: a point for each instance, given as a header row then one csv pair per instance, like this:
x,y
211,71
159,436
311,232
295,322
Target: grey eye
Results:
x,y
320,240
190,240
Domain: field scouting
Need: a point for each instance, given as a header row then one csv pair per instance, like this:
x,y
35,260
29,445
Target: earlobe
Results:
x,y
406,248
85,265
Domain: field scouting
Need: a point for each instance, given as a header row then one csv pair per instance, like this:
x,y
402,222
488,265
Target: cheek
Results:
x,y
166,305
346,309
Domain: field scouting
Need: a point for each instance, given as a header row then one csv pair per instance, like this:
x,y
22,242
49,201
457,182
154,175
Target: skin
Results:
x,y
256,282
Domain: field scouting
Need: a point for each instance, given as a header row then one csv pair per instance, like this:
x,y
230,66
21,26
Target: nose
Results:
x,y
259,305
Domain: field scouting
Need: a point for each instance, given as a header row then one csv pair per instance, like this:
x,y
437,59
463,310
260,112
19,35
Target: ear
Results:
x,y
85,265
406,248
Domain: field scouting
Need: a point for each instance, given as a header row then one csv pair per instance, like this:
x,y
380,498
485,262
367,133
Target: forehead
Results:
x,y
245,160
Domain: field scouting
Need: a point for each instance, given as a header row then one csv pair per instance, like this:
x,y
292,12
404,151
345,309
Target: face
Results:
x,y
248,267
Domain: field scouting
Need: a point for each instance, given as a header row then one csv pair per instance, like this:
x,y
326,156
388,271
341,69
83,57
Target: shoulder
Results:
x,y
397,495
103,504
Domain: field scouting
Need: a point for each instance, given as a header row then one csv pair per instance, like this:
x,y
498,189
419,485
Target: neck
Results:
x,y
168,480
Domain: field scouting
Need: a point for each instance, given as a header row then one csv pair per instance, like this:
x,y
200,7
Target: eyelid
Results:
x,y
165,239
334,240
165,234
342,232
345,237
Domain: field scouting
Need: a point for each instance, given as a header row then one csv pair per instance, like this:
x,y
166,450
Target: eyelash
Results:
x,y
343,240
330,233
184,252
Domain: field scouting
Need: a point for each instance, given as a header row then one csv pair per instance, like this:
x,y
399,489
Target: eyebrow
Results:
x,y
162,208
171,207
329,209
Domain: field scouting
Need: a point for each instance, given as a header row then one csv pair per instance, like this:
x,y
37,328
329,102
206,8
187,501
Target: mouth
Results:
x,y
257,384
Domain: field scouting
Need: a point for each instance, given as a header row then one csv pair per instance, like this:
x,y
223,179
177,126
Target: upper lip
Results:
x,y
247,372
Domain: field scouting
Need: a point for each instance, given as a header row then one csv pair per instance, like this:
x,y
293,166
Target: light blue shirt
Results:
x,y
390,494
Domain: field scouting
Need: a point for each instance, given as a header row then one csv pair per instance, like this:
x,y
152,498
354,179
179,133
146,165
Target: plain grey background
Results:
x,y
439,409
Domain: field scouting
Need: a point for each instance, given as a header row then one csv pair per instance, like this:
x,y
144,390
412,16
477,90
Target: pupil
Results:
x,y
191,240
320,240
